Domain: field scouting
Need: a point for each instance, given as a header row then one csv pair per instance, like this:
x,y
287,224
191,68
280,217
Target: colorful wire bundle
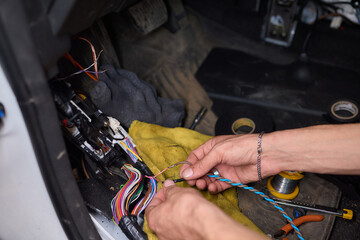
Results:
x,y
130,150
130,193
144,202
120,203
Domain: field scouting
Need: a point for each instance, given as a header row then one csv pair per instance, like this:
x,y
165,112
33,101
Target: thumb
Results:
x,y
201,167
169,188
169,183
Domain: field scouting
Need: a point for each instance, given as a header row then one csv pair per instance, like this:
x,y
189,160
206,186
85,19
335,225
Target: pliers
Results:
x,y
298,221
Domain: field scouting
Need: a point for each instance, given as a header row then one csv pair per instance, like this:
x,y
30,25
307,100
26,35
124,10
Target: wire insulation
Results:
x,y
129,194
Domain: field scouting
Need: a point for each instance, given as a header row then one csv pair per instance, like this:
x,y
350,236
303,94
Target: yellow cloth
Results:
x,y
161,147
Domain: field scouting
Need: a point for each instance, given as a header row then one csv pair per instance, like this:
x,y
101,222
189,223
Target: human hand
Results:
x,y
235,157
183,213
178,213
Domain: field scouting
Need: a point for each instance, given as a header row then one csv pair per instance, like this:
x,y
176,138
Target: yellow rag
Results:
x,y
161,147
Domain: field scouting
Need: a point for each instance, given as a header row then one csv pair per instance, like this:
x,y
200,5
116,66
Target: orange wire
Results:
x,y
84,169
75,63
93,54
325,16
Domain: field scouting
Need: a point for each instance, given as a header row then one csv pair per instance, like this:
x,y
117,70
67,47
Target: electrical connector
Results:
x,y
131,228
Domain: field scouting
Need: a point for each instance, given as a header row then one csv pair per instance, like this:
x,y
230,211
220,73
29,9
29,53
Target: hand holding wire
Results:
x,y
174,165
173,206
183,213
235,157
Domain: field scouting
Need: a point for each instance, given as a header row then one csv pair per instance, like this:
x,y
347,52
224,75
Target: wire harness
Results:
x,y
263,195
130,193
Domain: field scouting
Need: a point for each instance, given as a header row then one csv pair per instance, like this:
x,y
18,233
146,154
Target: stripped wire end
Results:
x,y
86,70
174,165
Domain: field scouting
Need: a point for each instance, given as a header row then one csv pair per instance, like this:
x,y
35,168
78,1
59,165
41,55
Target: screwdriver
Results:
x,y
198,117
344,213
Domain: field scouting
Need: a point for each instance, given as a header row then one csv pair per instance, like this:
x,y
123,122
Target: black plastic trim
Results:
x,y
26,76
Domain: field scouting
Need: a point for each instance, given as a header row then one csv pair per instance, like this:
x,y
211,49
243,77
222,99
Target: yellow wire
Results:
x,y
137,156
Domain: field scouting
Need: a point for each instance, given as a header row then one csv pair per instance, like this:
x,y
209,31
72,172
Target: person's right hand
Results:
x,y
235,157
183,213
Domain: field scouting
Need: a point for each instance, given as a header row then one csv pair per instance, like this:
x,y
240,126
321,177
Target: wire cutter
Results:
x,y
298,221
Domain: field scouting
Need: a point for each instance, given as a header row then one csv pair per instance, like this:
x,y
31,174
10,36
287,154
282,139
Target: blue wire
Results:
x,y
132,156
259,193
2,114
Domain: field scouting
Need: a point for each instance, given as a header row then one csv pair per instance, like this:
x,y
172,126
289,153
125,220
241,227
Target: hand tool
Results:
x,y
308,218
198,118
344,213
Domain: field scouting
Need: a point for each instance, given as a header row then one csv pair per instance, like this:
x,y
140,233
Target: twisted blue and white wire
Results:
x,y
267,198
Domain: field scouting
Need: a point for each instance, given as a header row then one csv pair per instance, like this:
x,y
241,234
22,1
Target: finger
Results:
x,y
217,187
191,182
203,166
213,188
155,203
169,188
207,180
169,183
160,196
202,150
201,184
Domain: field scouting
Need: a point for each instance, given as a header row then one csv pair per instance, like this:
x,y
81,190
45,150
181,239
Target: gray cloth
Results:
x,y
121,94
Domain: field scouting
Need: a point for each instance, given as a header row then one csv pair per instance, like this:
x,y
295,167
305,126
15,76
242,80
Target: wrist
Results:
x,y
287,150
275,155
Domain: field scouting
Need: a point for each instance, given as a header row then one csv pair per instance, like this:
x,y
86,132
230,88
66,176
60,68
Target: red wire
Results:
x,y
93,53
75,63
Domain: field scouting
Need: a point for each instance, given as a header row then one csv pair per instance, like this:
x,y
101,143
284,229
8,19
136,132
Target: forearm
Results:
x,y
333,149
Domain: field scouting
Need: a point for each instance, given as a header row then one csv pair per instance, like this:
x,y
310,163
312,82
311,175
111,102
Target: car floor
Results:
x,y
170,62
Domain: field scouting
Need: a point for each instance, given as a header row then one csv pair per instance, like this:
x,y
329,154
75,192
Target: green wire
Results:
x,y
137,194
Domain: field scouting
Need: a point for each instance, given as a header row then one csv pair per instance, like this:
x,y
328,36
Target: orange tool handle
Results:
x,y
308,218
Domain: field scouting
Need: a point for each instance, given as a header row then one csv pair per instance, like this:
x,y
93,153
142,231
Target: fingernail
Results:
x,y
187,173
168,183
